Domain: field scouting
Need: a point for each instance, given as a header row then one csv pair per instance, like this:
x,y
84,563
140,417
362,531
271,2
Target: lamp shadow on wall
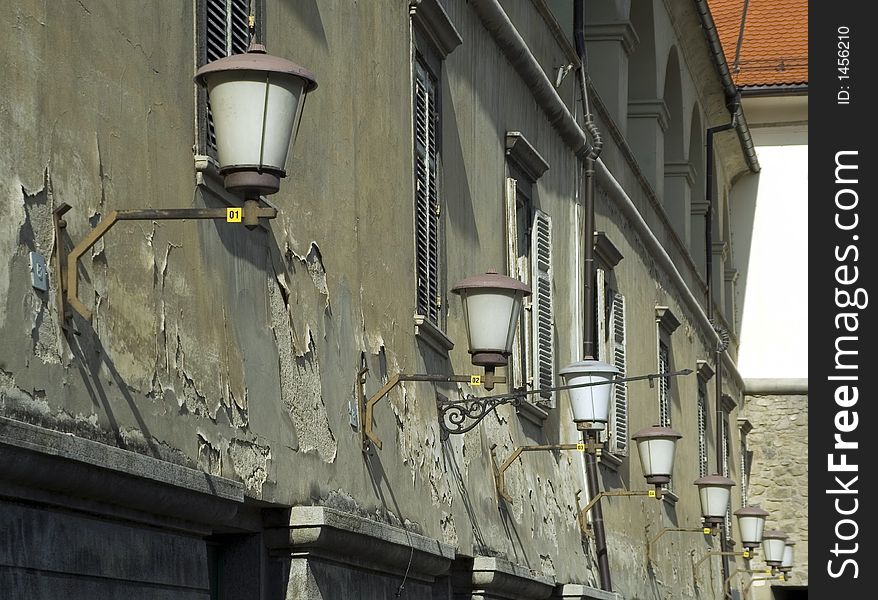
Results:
x,y
88,356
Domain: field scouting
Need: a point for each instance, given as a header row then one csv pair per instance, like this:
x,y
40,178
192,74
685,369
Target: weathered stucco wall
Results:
x,y
236,352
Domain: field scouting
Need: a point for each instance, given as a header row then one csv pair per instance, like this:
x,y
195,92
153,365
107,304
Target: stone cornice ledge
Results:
x,y
524,156
576,591
324,532
495,578
45,459
431,17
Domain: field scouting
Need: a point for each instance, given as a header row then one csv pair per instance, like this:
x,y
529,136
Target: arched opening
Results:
x,y
647,115
677,188
698,203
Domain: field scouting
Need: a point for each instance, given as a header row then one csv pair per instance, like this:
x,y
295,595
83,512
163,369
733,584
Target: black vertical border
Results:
x,y
836,127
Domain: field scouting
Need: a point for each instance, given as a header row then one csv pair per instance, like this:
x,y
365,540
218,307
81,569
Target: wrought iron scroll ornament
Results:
x,y
460,416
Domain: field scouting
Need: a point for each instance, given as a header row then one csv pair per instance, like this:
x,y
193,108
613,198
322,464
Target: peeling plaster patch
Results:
x,y
43,332
300,383
250,462
209,458
37,234
313,262
10,230
449,531
547,565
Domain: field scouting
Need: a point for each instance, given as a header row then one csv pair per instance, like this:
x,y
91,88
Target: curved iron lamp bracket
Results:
x,y
367,406
745,554
500,472
651,542
67,263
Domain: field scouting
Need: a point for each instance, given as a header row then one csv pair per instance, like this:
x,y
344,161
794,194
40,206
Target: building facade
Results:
x,y
202,435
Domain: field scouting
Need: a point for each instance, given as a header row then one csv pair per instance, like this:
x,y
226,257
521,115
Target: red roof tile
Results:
x,y
774,50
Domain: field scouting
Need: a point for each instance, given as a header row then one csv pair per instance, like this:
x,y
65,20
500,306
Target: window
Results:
x,y
666,324
744,428
664,385
610,329
728,405
529,259
725,456
704,373
702,429
224,29
426,153
434,38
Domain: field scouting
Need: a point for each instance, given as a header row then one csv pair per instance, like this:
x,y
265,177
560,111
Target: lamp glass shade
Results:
x,y
773,547
656,447
491,316
788,555
254,114
751,524
592,403
714,491
491,308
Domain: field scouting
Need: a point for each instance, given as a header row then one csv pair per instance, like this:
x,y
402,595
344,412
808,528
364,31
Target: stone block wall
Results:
x,y
779,469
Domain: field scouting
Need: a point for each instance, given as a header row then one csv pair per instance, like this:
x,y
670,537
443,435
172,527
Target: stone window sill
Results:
x,y
434,337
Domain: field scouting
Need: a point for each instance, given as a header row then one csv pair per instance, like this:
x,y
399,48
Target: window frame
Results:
x,y
433,37
665,325
429,251
609,305
204,150
528,245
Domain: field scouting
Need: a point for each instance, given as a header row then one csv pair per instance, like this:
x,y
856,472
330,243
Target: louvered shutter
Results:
x,y
745,477
543,316
516,370
726,450
664,388
227,32
426,195
702,431
619,417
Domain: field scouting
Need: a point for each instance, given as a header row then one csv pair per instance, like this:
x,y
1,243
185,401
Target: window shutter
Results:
x,y
227,32
726,449
600,315
543,317
426,196
702,432
664,388
745,477
515,371
619,417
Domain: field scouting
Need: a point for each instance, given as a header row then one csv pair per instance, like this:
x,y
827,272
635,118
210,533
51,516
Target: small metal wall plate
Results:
x,y
38,274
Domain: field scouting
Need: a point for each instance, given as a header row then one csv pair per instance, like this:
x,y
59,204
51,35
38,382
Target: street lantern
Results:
x,y
256,102
591,404
714,491
656,446
491,307
774,547
751,523
786,562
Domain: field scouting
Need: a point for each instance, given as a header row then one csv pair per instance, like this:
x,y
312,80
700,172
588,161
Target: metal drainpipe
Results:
x,y
588,165
708,242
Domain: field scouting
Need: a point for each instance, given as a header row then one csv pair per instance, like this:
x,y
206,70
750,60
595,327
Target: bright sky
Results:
x,y
774,324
